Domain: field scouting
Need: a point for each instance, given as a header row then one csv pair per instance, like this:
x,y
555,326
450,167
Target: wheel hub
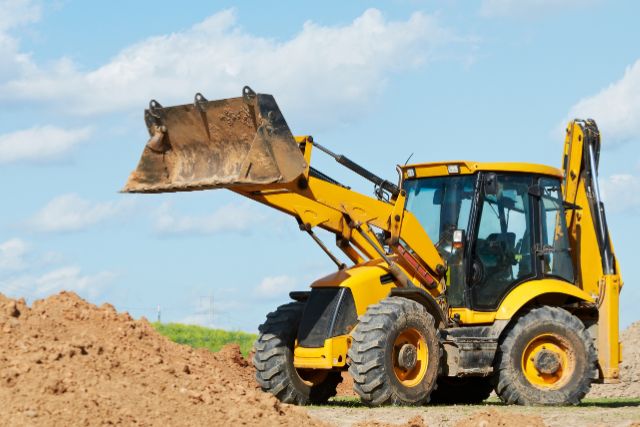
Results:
x,y
547,362
407,356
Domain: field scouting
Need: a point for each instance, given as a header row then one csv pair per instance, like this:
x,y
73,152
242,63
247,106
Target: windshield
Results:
x,y
441,204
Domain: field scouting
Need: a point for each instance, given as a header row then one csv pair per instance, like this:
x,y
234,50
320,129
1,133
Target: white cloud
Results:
x,y
239,217
70,212
616,108
528,8
40,144
23,274
326,72
621,193
275,286
12,253
16,13
69,278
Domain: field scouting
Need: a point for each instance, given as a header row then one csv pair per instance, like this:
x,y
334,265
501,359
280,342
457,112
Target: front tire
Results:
x,y
273,361
546,358
395,354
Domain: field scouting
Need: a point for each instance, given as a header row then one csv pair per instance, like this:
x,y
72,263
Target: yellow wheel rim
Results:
x,y
410,374
548,361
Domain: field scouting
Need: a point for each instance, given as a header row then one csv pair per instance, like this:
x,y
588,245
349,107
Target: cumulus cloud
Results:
x,y
528,8
14,14
322,70
69,278
70,212
12,253
616,108
621,193
40,144
275,286
24,273
238,218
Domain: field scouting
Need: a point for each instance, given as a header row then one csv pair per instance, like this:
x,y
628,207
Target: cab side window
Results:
x,y
555,240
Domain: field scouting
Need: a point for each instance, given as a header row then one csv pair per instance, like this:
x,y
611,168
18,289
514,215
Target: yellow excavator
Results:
x,y
463,277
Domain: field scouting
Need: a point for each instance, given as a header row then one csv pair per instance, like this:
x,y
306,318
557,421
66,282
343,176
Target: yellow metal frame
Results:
x,y
333,354
349,214
465,167
518,297
603,288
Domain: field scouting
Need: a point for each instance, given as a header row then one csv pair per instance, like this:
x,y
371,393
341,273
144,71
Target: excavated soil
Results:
x,y
65,362
629,385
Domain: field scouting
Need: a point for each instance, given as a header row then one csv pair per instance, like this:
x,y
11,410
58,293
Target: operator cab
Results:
x,y
496,225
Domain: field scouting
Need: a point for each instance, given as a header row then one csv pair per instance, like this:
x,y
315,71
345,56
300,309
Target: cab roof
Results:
x,y
465,167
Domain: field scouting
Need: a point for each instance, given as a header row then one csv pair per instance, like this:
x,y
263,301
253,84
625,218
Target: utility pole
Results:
x,y
208,311
158,313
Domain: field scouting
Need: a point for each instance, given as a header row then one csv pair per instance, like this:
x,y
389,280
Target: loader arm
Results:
x,y
592,251
245,145
353,217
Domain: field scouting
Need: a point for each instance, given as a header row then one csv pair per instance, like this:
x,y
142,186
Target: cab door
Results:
x,y
502,253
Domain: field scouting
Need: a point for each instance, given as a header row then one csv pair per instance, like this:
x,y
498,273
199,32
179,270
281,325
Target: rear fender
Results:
x,y
539,290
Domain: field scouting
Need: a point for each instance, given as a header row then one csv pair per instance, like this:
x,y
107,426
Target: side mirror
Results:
x,y
491,184
535,190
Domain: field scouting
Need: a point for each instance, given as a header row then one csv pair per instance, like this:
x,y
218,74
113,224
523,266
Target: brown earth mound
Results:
x,y
64,361
629,385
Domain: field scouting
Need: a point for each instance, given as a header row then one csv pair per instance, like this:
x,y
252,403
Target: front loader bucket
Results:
x,y
216,144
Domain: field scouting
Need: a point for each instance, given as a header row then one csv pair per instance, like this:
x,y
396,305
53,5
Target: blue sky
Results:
x,y
489,80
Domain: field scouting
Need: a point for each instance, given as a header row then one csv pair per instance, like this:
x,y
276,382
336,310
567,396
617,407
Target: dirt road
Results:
x,y
594,413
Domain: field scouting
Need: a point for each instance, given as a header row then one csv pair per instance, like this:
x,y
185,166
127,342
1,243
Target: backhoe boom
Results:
x,y
593,254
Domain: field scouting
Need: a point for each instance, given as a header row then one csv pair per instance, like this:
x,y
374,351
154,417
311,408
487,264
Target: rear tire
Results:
x,y
467,390
546,358
273,361
395,354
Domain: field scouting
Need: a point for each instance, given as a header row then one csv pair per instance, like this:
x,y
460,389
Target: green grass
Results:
x,y
200,337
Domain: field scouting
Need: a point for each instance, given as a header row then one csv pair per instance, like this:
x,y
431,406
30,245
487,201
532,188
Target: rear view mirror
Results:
x,y
458,239
490,184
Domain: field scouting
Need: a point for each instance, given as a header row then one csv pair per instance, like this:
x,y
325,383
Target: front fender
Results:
x,y
368,283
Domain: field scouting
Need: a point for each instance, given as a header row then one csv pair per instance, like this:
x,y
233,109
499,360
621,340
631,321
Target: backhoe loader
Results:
x,y
463,277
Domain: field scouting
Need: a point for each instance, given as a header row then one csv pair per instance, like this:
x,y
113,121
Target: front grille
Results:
x,y
329,312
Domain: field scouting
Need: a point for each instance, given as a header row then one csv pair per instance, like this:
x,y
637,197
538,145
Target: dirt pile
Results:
x,y
629,385
64,361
